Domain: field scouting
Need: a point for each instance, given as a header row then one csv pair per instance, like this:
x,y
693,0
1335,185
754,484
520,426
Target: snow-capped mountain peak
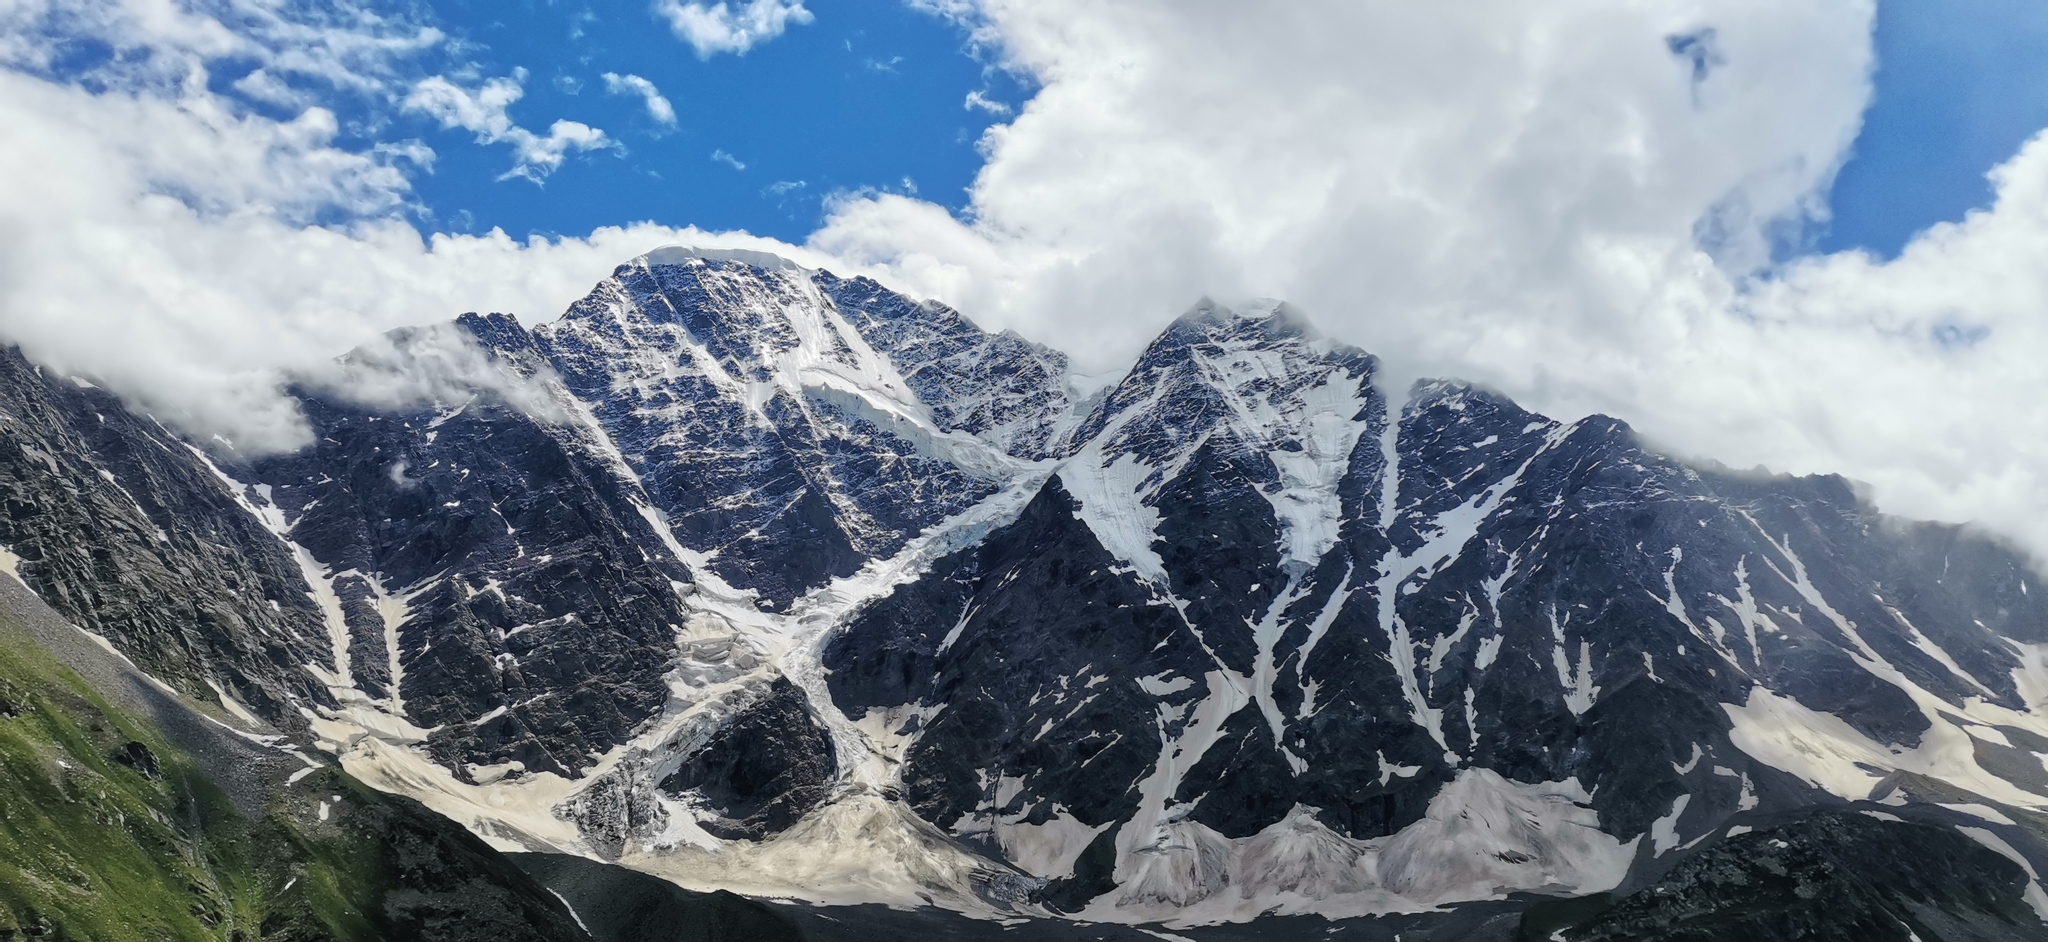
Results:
x,y
741,566
789,423
1255,386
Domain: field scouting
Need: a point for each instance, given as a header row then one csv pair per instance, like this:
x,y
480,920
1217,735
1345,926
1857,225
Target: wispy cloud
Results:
x,y
721,27
658,107
976,101
483,113
221,246
297,53
728,160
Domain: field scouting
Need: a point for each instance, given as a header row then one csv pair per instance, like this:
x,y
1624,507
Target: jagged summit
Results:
x,y
803,567
684,254
1280,317
793,425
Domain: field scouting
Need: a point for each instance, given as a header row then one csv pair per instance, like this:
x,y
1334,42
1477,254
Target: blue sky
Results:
x,y
871,96
1383,166
851,96
866,95
1960,84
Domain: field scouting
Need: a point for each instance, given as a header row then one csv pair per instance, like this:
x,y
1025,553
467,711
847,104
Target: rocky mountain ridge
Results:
x,y
761,579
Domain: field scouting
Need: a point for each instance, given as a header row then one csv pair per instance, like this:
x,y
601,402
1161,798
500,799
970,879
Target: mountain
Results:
x,y
784,423
125,814
763,580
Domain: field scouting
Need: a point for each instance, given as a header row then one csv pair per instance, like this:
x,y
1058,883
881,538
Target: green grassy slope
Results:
x,y
109,831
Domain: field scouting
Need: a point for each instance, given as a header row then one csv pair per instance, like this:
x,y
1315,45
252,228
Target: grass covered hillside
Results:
x,y
112,830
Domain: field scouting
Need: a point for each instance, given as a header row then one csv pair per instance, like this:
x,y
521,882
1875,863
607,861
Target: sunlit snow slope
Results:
x,y
759,578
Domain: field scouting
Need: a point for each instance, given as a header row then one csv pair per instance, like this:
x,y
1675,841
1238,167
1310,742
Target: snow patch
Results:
x,y
1664,830
1112,506
234,706
2035,897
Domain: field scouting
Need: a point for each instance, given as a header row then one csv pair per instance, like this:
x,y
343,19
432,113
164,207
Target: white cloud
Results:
x,y
976,101
1501,191
338,45
1479,159
159,238
658,107
437,364
719,156
721,27
483,112
181,232
1517,194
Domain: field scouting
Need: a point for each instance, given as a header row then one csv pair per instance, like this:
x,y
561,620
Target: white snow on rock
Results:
x,y
2036,898
1250,381
1664,830
1255,380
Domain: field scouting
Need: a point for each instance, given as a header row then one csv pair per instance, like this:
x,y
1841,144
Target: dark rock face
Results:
x,y
770,431
492,558
745,538
1834,875
1000,388
137,756
122,527
1039,651
532,606
760,773
1502,592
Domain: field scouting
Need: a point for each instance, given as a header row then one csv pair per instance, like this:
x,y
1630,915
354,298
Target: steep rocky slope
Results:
x,y
762,579
125,814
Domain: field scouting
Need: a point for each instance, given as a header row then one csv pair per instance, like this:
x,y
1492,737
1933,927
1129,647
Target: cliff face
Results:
x,y
126,814
755,577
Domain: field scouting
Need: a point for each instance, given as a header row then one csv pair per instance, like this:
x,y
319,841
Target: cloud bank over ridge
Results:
x,y
1577,203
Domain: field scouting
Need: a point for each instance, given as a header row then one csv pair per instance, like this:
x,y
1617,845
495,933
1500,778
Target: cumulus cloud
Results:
x,y
722,27
1573,202
1377,163
226,251
483,112
436,365
183,233
658,107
